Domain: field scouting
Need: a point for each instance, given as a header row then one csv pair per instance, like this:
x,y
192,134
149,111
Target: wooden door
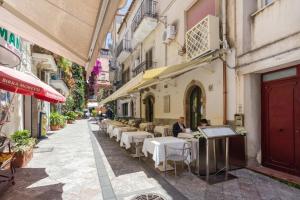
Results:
x,y
279,132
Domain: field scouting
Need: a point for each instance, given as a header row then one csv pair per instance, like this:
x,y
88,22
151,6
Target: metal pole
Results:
x,y
198,157
207,159
215,155
226,157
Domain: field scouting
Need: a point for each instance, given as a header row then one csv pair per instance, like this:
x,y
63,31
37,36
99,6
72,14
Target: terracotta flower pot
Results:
x,y
70,121
54,127
21,159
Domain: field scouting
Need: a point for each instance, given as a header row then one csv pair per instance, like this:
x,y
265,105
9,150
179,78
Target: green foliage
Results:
x,y
71,115
75,79
78,91
55,119
22,141
79,113
94,113
69,105
62,121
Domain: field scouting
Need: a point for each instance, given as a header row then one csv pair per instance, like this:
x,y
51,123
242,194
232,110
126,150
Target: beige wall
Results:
x,y
210,74
167,54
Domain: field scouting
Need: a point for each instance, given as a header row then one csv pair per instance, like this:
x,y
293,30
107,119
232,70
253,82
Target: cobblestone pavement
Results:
x,y
63,167
130,177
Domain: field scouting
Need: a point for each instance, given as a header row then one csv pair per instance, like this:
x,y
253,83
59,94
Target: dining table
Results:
x,y
111,126
127,137
117,131
156,147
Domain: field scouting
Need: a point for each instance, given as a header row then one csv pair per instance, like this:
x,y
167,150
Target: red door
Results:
x,y
280,132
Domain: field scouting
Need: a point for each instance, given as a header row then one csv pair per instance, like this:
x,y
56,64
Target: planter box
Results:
x,y
54,128
21,159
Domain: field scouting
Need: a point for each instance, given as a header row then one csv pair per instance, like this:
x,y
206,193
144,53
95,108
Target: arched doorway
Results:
x,y
149,108
194,105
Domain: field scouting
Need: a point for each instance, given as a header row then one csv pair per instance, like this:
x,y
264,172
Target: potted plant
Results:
x,y
71,117
79,114
55,121
62,121
23,147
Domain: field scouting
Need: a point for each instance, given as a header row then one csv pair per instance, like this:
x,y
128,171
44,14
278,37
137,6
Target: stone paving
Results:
x,y
130,177
63,167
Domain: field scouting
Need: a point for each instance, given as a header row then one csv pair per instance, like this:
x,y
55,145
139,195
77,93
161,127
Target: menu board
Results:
x,y
213,132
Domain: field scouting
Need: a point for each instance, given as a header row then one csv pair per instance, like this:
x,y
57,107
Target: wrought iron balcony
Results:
x,y
143,66
123,50
145,20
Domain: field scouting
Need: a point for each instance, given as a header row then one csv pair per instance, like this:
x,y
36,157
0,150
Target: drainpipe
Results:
x,y
225,46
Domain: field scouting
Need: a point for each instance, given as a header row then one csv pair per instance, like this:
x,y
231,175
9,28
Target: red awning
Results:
x,y
26,84
50,94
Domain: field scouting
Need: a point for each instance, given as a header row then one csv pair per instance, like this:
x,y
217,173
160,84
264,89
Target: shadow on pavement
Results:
x,y
31,183
122,163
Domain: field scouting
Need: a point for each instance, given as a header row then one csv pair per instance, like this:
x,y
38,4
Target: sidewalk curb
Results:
x,y
104,180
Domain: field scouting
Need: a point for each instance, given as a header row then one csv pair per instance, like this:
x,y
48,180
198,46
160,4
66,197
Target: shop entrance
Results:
x,y
281,120
193,107
149,105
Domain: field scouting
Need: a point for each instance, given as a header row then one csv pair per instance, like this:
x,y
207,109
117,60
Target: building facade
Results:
x,y
267,42
152,35
251,69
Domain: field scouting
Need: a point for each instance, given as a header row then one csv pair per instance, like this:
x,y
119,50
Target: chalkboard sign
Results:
x,y
214,132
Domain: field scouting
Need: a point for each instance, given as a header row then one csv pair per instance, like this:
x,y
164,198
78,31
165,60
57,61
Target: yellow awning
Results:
x,y
155,75
158,74
73,29
123,91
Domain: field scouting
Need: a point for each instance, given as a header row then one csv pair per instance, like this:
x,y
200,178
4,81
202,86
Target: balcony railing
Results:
x,y
148,8
123,46
143,66
104,52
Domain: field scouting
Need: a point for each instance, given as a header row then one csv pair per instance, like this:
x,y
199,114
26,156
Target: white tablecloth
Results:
x,y
110,128
156,146
126,138
117,132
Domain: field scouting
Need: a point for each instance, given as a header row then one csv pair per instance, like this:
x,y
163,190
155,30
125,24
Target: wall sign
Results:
x,y
10,48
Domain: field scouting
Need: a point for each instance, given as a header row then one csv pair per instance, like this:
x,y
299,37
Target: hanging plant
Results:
x,y
97,68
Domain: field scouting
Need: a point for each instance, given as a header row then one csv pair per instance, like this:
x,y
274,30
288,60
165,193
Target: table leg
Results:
x,y
215,154
226,157
207,160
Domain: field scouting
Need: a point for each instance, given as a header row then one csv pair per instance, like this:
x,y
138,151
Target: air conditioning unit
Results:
x,y
169,34
203,38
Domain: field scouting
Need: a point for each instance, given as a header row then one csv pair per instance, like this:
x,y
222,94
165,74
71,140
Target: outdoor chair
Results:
x,y
138,145
103,128
178,154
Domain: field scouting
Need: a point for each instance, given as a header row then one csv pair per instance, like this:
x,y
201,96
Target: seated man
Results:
x,y
178,127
